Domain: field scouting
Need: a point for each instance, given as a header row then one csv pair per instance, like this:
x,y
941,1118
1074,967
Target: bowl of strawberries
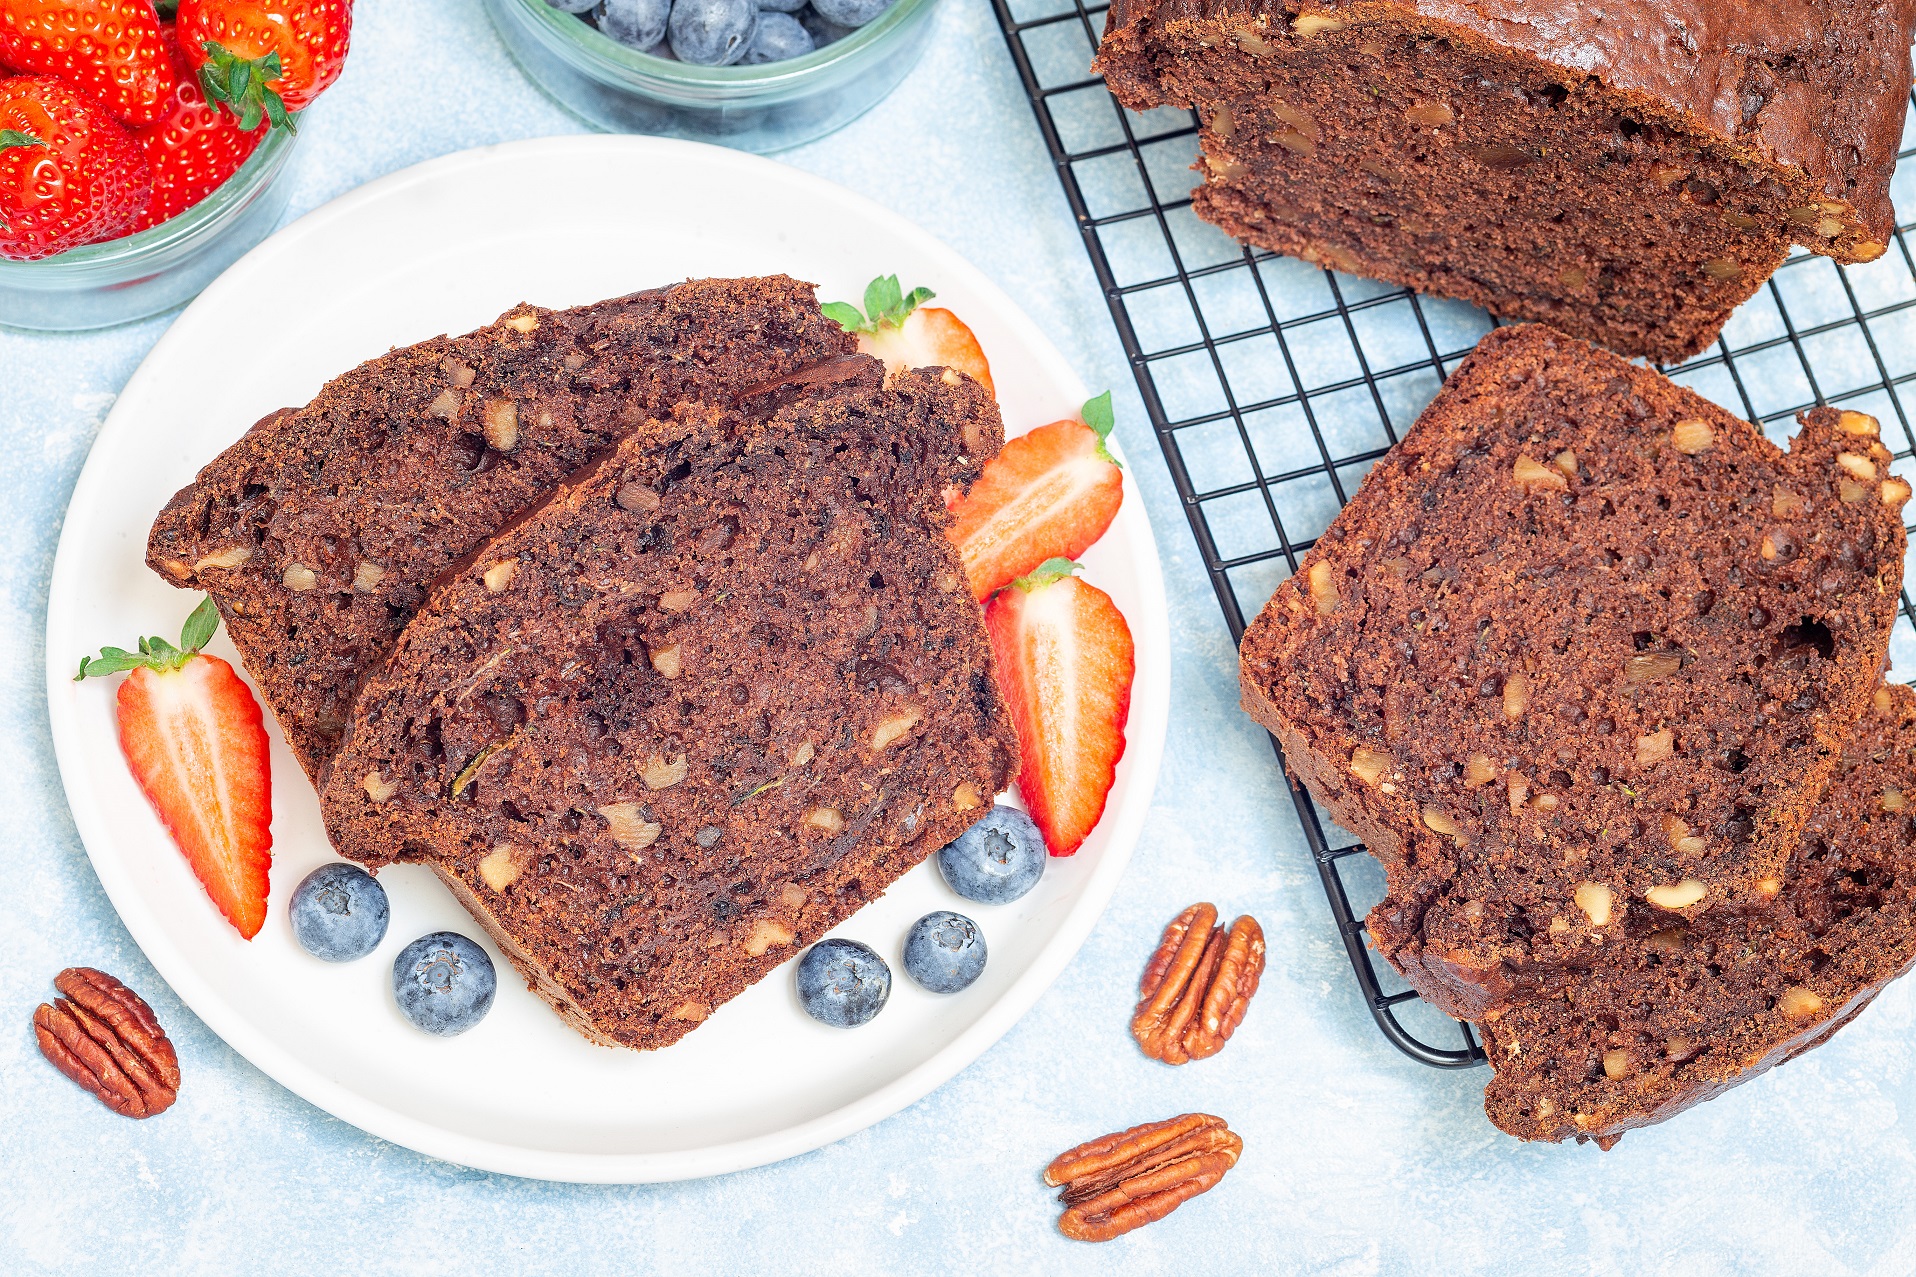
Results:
x,y
141,145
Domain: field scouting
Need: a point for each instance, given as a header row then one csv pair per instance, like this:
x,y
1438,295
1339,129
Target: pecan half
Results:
x,y
103,1036
1197,985
1137,1177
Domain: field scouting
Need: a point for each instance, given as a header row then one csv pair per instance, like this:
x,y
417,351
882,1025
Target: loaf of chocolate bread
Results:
x,y
1584,646
703,704
1628,170
1665,1015
319,532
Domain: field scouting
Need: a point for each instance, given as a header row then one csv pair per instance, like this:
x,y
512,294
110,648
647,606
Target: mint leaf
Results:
x,y
1047,572
14,137
199,627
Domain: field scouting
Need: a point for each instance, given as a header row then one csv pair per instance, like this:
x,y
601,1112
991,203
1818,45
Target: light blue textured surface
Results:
x,y
1356,1161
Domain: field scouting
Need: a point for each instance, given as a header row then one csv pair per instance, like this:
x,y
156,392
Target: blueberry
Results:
x,y
712,33
572,6
944,951
822,32
850,13
997,860
339,913
779,37
780,6
636,24
842,983
444,983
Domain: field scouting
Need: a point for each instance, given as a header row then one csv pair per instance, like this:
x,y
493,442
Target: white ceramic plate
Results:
x,y
445,247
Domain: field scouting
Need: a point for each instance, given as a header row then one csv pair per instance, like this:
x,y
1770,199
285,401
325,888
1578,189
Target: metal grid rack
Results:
x,y
1272,385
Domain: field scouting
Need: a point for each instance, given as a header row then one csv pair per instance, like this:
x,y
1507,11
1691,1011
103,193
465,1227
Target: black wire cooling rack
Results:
x,y
1273,385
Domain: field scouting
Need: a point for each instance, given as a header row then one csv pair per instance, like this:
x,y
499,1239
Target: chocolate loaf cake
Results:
x,y
1665,1016
1628,171
702,705
1582,652
321,530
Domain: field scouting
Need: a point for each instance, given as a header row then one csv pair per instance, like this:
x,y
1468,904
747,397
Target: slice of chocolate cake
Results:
x,y
321,530
1667,1015
702,705
1582,651
1626,171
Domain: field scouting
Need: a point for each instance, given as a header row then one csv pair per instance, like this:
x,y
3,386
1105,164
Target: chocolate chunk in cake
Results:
x,y
1666,1014
702,705
1583,645
319,533
1628,172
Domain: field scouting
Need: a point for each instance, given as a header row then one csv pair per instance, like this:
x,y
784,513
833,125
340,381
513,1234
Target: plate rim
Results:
x,y
1145,737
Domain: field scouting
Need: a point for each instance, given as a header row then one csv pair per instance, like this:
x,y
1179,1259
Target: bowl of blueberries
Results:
x,y
758,75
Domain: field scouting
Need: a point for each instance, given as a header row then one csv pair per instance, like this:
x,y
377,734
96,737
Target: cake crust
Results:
x,y
319,533
1627,171
1583,648
700,706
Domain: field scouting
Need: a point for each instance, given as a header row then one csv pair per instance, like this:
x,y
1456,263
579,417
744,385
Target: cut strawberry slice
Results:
x,y
1047,495
1065,663
195,740
897,328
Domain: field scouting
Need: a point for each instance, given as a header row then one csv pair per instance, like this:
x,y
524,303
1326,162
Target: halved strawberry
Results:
x,y
193,735
897,328
1065,663
1047,494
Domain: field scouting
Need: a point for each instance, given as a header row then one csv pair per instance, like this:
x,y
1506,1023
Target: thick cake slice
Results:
x,y
321,530
702,705
1666,1016
1583,648
1628,171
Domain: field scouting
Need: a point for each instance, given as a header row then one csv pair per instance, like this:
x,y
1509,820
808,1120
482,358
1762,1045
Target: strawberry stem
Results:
x,y
155,652
241,85
1045,573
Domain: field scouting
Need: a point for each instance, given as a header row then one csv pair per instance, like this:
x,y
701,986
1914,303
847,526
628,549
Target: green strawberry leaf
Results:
x,y
111,660
199,627
240,85
882,297
917,297
10,138
154,652
886,306
1047,572
1097,414
845,315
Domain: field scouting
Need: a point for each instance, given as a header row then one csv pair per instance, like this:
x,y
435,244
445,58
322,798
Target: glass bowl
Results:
x,y
135,276
753,108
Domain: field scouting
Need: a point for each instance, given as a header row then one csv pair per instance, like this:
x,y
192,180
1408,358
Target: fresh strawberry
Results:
x,y
1065,663
108,49
192,148
192,733
1047,494
897,328
266,57
70,174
